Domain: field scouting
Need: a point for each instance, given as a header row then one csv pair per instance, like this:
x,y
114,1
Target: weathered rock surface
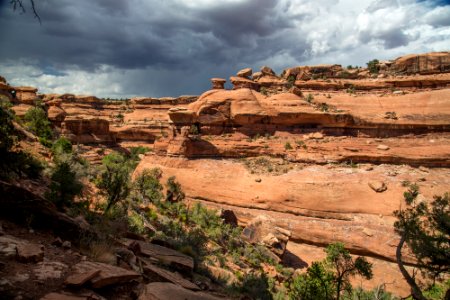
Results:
x,y
170,291
156,273
428,63
50,270
108,275
247,72
28,252
378,186
26,94
218,83
263,230
166,255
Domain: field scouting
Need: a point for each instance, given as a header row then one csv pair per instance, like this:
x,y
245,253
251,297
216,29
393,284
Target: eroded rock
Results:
x,y
263,230
108,275
377,186
218,83
247,72
170,291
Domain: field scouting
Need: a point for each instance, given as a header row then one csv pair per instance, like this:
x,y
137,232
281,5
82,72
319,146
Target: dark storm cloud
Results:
x,y
87,34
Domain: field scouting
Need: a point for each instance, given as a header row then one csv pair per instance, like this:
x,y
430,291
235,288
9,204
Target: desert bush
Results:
x,y
372,66
64,185
264,91
329,278
255,286
36,120
309,98
136,151
114,179
147,188
174,191
62,146
287,146
7,131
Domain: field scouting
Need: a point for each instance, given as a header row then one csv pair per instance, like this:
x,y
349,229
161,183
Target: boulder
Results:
x,y
30,253
181,116
247,72
108,275
257,75
378,186
78,279
63,295
218,83
170,291
156,273
383,147
243,83
265,70
229,217
262,230
296,91
165,255
26,94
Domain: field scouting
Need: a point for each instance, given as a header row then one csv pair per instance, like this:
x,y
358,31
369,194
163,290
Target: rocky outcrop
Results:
x,y
428,63
87,130
243,83
218,83
101,275
170,291
56,115
313,72
26,95
263,230
246,73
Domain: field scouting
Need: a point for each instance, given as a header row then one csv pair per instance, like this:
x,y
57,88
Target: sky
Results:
x,y
156,48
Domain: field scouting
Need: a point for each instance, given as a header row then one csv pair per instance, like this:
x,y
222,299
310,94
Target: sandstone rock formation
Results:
x,y
26,95
263,229
246,73
218,83
320,152
428,63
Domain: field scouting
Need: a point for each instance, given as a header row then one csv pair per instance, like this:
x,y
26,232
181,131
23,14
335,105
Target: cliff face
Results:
x,y
307,148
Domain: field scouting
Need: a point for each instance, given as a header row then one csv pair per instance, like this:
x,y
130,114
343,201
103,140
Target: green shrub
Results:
x,y
324,107
263,91
174,190
114,179
287,146
62,146
372,66
147,187
64,185
36,120
7,131
309,98
136,222
256,286
194,130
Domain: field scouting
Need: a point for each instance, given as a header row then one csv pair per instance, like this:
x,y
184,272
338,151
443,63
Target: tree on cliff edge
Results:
x,y
426,231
